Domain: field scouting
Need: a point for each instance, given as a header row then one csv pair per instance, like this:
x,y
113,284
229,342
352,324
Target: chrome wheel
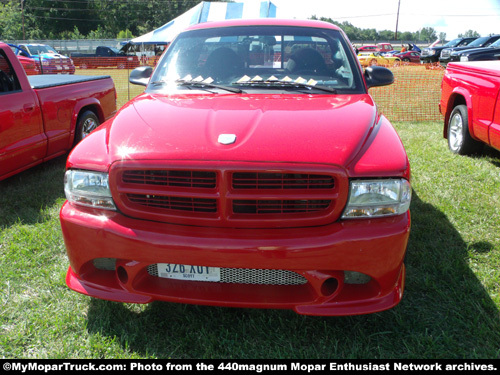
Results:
x,y
88,125
460,140
87,122
456,133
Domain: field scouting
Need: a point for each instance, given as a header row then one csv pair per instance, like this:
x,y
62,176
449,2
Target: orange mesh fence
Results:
x,y
414,96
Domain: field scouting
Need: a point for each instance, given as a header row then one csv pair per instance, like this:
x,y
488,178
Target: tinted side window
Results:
x,y
8,78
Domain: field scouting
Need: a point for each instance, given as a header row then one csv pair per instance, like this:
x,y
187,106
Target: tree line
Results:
x,y
425,34
125,19
86,19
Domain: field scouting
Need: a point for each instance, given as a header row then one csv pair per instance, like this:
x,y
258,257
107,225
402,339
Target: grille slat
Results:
x,y
251,276
279,206
175,203
171,178
285,181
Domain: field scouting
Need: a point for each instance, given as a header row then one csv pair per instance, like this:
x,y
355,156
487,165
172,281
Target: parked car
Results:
x,y
379,47
240,179
469,103
409,56
42,117
384,47
376,58
481,54
105,57
30,65
431,54
51,62
368,48
453,54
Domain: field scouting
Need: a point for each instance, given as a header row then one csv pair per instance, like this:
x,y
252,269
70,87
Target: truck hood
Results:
x,y
328,129
481,51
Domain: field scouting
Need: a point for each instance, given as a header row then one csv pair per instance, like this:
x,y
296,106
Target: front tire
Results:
x,y
459,139
86,123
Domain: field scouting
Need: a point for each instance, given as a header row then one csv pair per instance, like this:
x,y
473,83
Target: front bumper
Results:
x,y
429,59
320,254
60,69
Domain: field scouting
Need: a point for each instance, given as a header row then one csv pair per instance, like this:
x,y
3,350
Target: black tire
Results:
x,y
459,139
87,122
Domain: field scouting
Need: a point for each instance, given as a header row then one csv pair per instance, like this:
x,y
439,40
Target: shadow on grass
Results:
x,y
445,313
493,155
33,190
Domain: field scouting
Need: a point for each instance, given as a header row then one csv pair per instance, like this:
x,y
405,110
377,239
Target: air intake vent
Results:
x,y
252,276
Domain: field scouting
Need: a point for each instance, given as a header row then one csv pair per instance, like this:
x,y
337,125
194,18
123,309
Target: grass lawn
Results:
x,y
450,308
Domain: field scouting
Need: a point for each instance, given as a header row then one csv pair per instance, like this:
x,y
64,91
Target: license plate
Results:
x,y
188,272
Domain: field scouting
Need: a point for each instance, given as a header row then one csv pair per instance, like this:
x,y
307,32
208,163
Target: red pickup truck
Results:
x,y
255,171
42,117
470,103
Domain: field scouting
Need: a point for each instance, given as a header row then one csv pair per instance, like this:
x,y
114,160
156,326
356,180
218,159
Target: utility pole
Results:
x,y
397,21
22,15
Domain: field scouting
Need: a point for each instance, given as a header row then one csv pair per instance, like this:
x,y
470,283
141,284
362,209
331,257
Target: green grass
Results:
x,y
450,308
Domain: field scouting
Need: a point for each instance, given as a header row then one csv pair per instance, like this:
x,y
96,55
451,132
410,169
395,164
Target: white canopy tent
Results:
x,y
207,11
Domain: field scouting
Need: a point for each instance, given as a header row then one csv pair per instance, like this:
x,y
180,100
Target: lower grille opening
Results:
x,y
280,206
252,276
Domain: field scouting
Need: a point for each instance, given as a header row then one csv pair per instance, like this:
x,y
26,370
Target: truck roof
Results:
x,y
264,22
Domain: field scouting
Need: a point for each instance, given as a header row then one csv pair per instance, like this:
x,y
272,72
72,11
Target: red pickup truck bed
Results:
x,y
43,116
470,94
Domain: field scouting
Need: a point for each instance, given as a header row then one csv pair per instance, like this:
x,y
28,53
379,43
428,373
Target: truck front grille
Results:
x,y
445,53
281,196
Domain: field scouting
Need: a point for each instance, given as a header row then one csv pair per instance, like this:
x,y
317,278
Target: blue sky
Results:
x,y
449,16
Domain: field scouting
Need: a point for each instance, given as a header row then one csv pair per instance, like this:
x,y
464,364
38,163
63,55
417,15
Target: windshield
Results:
x,y
455,42
38,50
479,42
496,44
259,58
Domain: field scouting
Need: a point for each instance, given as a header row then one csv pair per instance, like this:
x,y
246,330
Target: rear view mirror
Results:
x,y
141,75
378,76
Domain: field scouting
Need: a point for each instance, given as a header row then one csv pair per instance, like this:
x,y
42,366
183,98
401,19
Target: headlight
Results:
x,y
378,198
87,188
464,58
431,52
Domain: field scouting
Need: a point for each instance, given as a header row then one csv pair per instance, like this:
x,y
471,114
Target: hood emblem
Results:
x,y
226,139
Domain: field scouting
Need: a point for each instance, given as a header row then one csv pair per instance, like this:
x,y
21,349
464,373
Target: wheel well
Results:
x,y
94,108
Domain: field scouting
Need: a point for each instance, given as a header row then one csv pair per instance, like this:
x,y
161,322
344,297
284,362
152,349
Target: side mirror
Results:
x,y
378,76
141,75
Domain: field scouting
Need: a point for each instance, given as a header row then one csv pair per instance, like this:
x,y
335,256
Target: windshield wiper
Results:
x,y
200,84
203,84
293,84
